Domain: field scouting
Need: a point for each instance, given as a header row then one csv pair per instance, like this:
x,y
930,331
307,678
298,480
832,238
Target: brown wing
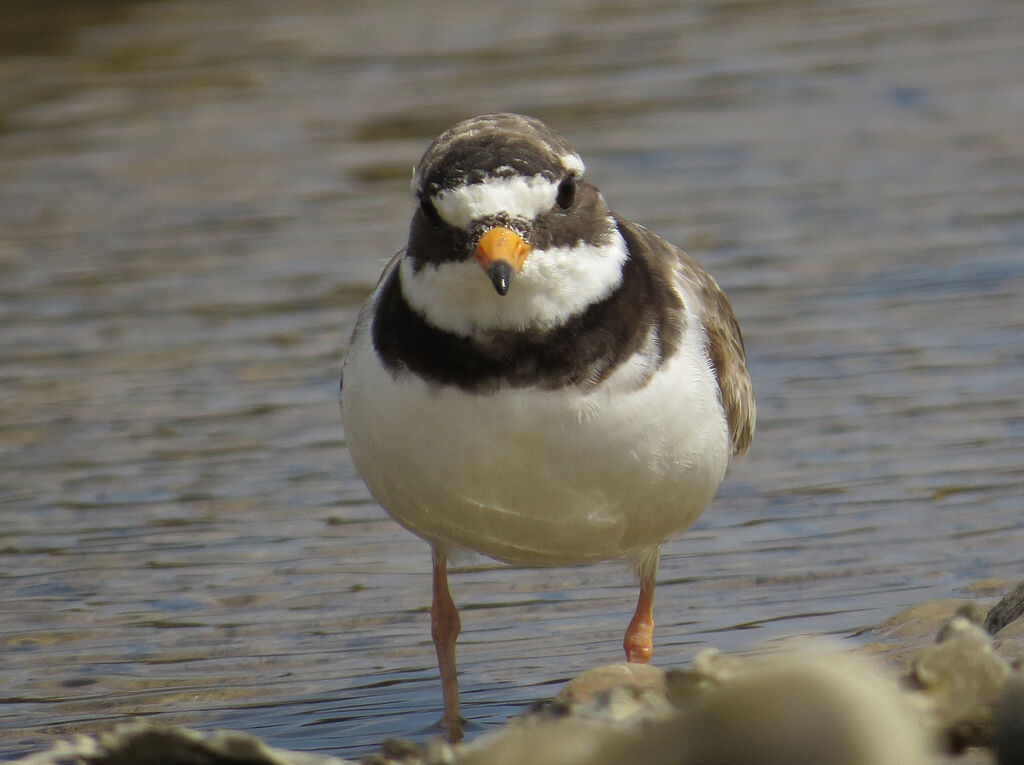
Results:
x,y
701,293
725,349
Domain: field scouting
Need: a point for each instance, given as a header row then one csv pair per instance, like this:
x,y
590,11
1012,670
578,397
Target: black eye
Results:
x,y
566,192
430,212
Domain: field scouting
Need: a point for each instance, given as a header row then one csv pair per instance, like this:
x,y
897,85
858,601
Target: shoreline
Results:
x,y
940,681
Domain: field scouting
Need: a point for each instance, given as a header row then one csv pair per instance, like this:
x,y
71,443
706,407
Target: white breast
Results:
x,y
540,477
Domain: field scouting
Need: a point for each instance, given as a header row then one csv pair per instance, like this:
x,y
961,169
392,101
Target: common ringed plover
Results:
x,y
536,378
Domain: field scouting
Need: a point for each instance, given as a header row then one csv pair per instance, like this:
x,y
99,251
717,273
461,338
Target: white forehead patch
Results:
x,y
514,196
573,163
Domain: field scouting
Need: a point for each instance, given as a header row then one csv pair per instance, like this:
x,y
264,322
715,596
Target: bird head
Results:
x,y
507,234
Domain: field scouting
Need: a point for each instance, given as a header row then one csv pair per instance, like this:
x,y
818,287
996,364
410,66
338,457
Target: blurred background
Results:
x,y
195,198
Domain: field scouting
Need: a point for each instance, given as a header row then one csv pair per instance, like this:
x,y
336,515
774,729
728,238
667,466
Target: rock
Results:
x,y
962,677
808,707
1004,622
594,733
791,708
140,742
601,679
711,669
1006,611
1009,724
902,636
1009,643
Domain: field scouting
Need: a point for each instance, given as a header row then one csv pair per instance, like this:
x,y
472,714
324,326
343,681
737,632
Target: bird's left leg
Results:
x,y
639,640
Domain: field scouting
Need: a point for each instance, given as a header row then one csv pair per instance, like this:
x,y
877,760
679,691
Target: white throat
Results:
x,y
553,286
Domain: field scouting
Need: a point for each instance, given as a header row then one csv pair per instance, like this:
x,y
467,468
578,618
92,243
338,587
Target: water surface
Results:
x,y
195,198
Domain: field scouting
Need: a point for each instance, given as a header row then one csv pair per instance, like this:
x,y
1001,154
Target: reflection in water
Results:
x,y
196,197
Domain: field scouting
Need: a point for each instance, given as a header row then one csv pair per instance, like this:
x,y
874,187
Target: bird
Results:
x,y
536,378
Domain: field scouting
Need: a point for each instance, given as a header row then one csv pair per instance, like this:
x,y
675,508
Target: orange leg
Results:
x,y
639,640
444,629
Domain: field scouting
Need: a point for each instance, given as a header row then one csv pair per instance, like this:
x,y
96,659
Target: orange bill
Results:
x,y
500,243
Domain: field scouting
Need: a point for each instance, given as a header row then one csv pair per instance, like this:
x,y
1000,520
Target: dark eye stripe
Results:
x,y
429,211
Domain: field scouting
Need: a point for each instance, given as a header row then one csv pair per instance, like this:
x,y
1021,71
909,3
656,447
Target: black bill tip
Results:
x,y
500,273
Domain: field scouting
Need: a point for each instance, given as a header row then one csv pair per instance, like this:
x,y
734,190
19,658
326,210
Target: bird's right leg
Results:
x,y
444,629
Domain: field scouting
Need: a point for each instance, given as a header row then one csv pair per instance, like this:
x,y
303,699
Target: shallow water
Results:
x,y
195,197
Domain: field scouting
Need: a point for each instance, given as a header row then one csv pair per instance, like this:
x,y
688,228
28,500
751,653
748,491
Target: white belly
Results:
x,y
539,477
